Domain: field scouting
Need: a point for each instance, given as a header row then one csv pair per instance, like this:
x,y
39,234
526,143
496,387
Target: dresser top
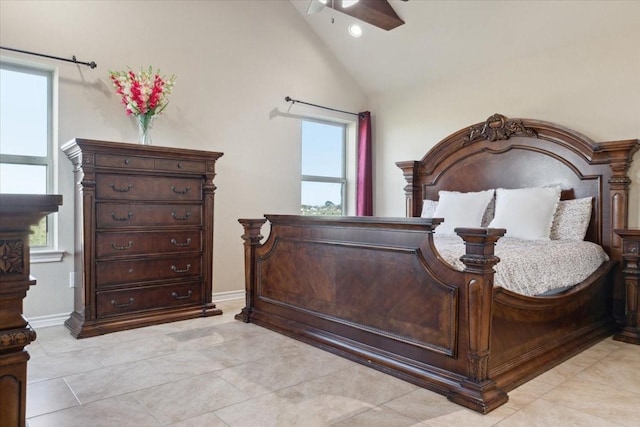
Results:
x,y
18,211
14,203
76,146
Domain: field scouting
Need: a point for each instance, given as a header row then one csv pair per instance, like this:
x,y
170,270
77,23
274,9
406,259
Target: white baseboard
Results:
x,y
49,320
228,296
59,319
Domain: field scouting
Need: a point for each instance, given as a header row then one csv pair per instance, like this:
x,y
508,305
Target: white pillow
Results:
x,y
526,213
461,209
428,208
571,219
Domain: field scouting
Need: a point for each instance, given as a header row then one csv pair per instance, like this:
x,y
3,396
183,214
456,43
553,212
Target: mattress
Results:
x,y
532,267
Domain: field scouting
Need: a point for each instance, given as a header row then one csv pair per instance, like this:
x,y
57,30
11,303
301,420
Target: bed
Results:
x,y
378,291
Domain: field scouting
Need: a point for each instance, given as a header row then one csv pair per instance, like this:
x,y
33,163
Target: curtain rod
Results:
x,y
293,101
73,59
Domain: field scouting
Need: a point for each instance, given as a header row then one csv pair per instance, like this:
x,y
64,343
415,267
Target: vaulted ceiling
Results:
x,y
439,38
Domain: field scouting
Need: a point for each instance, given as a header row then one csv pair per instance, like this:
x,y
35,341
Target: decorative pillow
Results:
x,y
571,219
428,208
526,213
461,209
489,213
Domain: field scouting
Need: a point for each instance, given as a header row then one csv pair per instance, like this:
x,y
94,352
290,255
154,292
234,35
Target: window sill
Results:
x,y
46,255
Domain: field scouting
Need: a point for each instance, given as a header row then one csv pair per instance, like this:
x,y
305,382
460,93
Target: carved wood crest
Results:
x,y
498,127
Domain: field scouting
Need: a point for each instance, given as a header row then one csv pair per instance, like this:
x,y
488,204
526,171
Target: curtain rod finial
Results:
x,y
288,98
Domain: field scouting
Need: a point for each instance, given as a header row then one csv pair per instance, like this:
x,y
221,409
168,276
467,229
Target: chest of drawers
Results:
x,y
144,235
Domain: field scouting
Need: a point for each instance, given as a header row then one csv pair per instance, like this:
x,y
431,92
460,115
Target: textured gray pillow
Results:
x,y
571,219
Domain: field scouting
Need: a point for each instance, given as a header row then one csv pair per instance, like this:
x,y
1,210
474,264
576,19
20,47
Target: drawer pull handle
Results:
x,y
126,161
121,218
181,218
122,248
122,190
177,270
179,165
120,305
185,191
176,296
175,242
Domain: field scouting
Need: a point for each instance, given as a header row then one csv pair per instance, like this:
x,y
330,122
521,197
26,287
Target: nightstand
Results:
x,y
18,213
631,279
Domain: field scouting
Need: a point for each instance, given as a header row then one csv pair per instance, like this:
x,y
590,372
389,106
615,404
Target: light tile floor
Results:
x,y
217,371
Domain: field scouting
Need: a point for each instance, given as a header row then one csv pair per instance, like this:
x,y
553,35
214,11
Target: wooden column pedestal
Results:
x,y
18,213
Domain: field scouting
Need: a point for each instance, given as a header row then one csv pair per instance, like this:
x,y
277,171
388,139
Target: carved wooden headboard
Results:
x,y
518,153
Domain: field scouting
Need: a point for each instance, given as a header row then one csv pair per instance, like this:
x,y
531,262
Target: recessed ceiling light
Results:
x,y
355,30
348,3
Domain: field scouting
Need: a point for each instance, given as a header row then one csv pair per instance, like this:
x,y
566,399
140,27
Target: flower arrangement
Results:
x,y
144,94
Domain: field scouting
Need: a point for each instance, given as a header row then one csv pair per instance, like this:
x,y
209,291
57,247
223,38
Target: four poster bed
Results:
x,y
378,290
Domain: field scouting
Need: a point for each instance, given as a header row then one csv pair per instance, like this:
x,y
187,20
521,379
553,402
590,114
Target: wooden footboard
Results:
x,y
375,291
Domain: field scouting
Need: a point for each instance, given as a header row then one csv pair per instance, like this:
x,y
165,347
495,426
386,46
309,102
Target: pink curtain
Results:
x,y
364,185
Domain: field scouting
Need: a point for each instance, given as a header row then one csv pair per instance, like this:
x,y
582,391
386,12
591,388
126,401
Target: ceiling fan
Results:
x,y
378,13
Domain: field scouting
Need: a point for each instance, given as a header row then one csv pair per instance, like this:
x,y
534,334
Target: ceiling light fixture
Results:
x,y
348,3
355,30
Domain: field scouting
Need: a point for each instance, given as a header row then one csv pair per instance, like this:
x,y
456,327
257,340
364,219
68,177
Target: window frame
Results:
x,y
49,252
329,179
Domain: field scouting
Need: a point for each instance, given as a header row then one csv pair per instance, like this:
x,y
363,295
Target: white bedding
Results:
x,y
532,267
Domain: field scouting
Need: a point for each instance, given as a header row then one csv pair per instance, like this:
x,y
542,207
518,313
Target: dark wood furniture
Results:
x,y
144,235
375,290
631,282
18,212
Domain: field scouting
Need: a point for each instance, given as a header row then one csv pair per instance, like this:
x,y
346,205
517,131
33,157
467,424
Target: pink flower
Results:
x,y
144,93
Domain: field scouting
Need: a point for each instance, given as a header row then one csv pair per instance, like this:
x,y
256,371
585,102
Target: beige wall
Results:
x,y
235,62
592,87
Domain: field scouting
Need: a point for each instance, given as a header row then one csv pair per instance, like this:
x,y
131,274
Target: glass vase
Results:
x,y
145,123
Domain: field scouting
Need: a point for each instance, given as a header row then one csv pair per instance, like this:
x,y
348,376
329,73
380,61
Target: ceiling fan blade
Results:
x,y
378,13
315,6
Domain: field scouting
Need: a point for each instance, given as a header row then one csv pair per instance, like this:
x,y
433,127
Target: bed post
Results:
x,y
478,391
619,155
251,239
411,190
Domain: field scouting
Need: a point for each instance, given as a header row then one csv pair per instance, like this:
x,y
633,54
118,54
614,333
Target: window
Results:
x,y
26,135
323,168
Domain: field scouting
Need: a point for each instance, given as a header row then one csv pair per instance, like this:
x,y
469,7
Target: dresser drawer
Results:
x,y
133,187
119,215
110,273
125,162
171,165
144,242
124,301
